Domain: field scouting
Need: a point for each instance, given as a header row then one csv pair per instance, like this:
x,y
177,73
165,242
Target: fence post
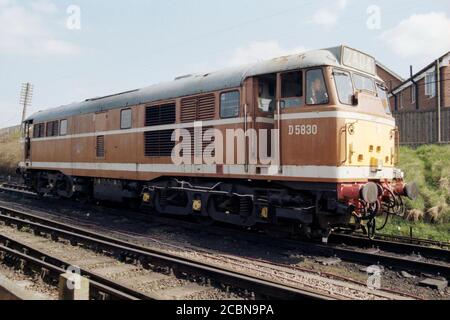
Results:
x,y
73,287
438,87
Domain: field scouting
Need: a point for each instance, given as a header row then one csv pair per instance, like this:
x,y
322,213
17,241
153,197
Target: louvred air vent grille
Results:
x,y
198,109
160,115
188,110
159,143
100,146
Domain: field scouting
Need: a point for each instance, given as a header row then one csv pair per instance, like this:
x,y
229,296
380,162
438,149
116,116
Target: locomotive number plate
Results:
x,y
303,130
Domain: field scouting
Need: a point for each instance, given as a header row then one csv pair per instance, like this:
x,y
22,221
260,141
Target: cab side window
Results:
x,y
316,89
267,87
292,89
344,86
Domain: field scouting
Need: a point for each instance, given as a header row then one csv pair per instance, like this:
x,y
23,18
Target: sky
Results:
x,y
74,50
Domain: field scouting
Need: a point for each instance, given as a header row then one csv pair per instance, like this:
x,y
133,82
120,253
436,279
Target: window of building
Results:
x,y
292,89
63,128
344,86
413,94
267,87
125,119
229,104
316,88
430,84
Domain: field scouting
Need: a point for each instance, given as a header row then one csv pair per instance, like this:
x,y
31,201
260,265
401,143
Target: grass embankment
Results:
x,y
429,215
10,154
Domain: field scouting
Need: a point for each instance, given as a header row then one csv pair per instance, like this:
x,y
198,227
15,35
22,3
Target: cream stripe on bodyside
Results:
x,y
146,129
337,114
320,172
289,116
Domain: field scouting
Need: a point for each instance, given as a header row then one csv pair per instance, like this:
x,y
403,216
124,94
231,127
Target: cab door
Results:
x,y
290,100
264,89
27,142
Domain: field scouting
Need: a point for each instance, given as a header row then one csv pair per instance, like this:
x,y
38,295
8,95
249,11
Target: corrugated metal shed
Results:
x,y
193,84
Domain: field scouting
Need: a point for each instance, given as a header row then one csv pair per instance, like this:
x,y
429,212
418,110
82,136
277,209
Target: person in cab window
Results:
x,y
266,100
318,93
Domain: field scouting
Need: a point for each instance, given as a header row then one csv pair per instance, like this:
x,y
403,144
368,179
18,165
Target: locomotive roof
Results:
x,y
193,84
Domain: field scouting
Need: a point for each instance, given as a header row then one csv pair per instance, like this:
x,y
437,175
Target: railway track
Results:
x,y
381,239
392,254
49,269
393,243
12,187
429,252
153,259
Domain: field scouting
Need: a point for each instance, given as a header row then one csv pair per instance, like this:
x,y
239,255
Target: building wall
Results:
x,y
420,126
445,78
426,103
390,80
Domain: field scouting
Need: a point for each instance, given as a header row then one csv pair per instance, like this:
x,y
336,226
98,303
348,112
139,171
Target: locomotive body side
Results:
x,y
333,162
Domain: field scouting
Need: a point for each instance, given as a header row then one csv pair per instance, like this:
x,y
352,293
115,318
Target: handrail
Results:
x,y
397,146
344,130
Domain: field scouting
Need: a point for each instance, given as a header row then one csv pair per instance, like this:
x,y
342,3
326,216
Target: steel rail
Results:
x,y
99,288
392,246
400,263
415,245
412,240
352,255
151,257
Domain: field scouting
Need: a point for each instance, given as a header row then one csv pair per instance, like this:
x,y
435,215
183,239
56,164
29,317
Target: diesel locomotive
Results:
x,y
305,142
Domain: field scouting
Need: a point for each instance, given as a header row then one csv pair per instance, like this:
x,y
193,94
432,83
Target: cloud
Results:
x,y
329,16
44,6
260,50
421,35
27,30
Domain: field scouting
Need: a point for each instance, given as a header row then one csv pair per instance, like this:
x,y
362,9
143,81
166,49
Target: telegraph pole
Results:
x,y
26,94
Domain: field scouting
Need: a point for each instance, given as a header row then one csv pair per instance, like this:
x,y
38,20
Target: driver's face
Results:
x,y
317,85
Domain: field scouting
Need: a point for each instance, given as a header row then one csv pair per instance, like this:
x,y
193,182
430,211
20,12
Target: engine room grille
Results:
x,y
206,107
198,109
200,140
160,115
100,146
159,143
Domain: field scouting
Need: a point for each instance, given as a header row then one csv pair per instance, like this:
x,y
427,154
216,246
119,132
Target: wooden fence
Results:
x,y
421,127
